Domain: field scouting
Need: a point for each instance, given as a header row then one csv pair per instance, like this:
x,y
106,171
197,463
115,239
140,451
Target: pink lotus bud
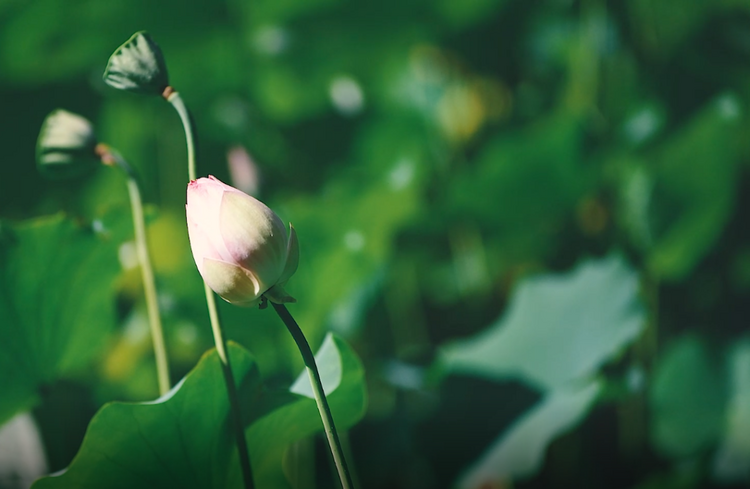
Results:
x,y
240,246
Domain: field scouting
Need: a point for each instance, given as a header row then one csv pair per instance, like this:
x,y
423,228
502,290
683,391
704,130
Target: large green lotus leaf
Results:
x,y
557,327
183,438
732,459
687,399
519,452
180,440
695,184
297,415
56,304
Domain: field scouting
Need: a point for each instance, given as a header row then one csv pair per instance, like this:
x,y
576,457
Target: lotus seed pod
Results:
x,y
138,66
66,145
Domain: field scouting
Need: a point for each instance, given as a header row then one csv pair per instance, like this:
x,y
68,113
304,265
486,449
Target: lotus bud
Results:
x,y
241,247
66,145
138,66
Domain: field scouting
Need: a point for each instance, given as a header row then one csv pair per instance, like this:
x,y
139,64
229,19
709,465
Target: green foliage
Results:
x,y
586,317
184,437
688,398
731,460
700,401
519,452
544,199
669,30
56,305
694,194
295,414
539,169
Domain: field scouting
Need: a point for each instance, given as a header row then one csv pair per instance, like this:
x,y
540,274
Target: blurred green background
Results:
x,y
529,219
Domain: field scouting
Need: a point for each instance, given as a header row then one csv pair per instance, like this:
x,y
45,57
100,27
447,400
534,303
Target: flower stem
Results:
x,y
234,402
112,157
174,98
187,122
320,398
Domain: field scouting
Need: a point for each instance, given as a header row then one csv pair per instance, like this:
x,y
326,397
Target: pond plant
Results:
x,y
519,245
241,249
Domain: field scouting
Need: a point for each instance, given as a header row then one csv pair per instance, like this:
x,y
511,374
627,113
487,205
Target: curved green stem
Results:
x,y
213,312
147,272
187,122
320,398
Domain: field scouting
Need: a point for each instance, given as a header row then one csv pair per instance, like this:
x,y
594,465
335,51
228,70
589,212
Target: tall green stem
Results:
x,y
213,312
149,288
110,156
234,401
320,398
187,122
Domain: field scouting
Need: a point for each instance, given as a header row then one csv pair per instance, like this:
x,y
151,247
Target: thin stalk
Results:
x,y
213,313
234,401
112,157
149,288
187,122
320,398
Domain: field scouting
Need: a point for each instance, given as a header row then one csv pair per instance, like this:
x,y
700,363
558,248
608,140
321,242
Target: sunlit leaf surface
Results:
x,y
429,154
183,438
557,327
343,380
519,452
56,305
